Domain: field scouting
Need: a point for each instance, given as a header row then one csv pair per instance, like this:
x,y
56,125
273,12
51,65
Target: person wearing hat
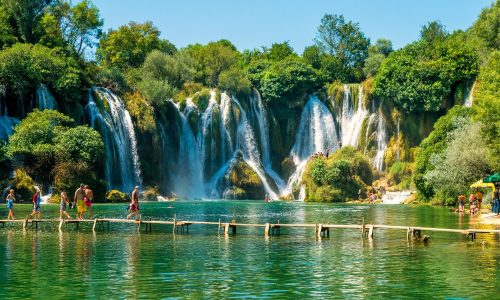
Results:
x,y
134,204
80,204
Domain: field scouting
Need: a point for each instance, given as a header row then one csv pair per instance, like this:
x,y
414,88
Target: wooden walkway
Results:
x,y
321,230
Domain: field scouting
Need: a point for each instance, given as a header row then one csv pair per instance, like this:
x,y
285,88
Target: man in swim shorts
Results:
x,y
80,204
89,196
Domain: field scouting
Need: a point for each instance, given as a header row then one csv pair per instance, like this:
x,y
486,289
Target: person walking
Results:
x,y
134,204
496,200
80,204
10,204
89,196
479,198
36,205
63,205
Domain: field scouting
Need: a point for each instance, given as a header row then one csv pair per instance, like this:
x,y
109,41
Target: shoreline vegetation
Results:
x,y
427,113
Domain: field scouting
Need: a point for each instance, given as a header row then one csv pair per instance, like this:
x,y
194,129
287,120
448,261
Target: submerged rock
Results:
x,y
242,182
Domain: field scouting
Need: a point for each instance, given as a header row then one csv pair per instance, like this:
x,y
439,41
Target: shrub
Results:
x,y
23,184
115,196
201,99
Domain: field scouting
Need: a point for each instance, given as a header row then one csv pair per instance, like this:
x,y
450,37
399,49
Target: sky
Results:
x,y
254,23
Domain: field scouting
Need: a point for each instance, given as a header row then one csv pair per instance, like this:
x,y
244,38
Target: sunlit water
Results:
x,y
125,263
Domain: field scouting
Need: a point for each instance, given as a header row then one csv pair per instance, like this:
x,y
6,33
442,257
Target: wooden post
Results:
x,y
226,229
319,229
218,229
60,224
266,230
408,232
363,229
370,231
95,223
173,230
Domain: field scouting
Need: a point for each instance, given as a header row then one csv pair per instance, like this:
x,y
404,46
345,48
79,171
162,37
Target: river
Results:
x,y
123,263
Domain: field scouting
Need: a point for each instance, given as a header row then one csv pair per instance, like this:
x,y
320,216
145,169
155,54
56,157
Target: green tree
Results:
x,y
487,102
279,51
376,55
484,35
77,26
129,45
435,144
210,60
289,78
420,76
433,32
235,80
342,39
26,16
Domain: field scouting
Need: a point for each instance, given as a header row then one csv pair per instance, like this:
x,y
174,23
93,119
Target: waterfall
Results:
x,y
248,145
109,116
395,197
260,112
352,121
44,99
382,140
468,96
7,125
316,133
189,179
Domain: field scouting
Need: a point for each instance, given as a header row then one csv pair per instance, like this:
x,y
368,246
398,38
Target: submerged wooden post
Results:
x,y
60,224
173,230
266,230
226,229
95,223
363,229
319,229
370,231
218,229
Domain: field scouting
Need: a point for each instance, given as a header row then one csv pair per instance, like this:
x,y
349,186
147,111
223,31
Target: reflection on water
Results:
x,y
122,263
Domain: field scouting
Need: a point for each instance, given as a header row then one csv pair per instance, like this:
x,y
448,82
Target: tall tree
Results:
x,y
433,32
77,27
129,45
26,15
342,39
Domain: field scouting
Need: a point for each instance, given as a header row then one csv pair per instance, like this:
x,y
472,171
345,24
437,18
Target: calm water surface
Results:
x,y
122,263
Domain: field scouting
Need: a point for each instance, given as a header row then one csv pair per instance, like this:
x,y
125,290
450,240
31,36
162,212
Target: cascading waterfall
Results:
x,y
352,120
113,121
7,125
316,133
382,140
260,112
189,179
44,99
469,95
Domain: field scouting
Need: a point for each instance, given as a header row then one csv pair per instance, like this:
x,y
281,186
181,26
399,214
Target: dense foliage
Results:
x,y
337,178
47,146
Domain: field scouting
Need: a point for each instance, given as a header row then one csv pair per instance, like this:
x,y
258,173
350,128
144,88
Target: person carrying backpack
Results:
x,y
36,205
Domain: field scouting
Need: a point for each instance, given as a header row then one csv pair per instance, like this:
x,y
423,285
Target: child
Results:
x,y
10,204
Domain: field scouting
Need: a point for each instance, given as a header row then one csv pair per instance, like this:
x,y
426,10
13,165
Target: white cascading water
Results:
x,y
123,170
316,133
248,145
190,182
260,112
382,140
469,97
395,197
352,121
7,125
44,99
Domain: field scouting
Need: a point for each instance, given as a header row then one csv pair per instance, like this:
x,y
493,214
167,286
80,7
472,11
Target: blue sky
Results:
x,y
251,24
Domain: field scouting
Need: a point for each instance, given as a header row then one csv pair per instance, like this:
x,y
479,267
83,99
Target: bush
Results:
x,y
235,80
23,185
115,196
328,194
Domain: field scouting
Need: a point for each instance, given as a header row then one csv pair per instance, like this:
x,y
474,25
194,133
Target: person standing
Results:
x,y
10,204
479,198
36,205
496,200
80,204
472,204
89,196
134,204
62,206
461,203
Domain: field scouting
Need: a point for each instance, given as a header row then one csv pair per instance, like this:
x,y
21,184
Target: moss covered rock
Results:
x,y
115,196
242,182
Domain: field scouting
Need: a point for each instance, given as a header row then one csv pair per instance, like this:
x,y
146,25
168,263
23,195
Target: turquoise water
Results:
x,y
127,264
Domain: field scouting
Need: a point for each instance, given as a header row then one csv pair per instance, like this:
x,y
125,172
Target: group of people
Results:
x,y
82,200
476,201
